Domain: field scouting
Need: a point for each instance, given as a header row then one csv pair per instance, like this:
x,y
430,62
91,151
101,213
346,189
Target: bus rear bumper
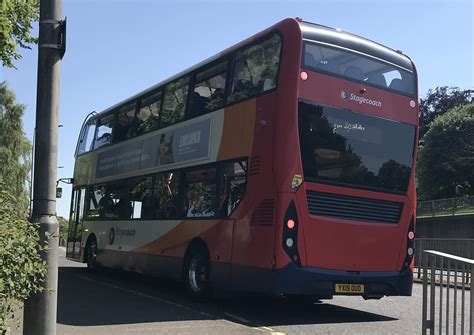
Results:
x,y
294,280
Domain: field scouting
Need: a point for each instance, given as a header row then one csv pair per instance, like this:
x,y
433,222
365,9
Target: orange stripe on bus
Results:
x,y
239,129
183,232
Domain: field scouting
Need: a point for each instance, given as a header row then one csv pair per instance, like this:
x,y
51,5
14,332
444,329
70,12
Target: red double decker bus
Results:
x,y
283,165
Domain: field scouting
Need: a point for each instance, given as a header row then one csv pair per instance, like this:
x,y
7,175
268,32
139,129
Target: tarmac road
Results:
x,y
116,302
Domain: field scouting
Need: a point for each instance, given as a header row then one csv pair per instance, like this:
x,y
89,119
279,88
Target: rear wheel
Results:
x,y
197,275
91,255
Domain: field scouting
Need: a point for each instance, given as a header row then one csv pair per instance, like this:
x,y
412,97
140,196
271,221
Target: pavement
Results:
x,y
116,302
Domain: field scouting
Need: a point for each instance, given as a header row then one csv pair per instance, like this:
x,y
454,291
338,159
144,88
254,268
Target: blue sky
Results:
x,y
116,49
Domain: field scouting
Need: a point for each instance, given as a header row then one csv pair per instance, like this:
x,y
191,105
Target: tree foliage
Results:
x,y
63,230
439,101
15,148
16,19
446,160
21,268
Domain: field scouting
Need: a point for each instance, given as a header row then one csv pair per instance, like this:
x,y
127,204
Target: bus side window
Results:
x,y
100,203
233,185
104,131
148,116
208,93
87,139
256,69
165,195
174,103
200,193
123,126
141,196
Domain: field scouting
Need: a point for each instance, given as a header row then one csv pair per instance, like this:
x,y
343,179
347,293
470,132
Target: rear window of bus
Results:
x,y
358,67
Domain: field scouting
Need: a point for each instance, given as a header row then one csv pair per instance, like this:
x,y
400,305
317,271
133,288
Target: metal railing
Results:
x,y
448,275
445,207
454,246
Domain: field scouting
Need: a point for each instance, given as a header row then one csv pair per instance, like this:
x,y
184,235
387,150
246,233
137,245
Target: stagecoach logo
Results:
x,y
344,95
360,100
120,233
111,236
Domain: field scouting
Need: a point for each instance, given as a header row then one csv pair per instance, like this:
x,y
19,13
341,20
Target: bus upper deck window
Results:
x,y
148,116
174,103
357,66
255,69
209,90
123,127
104,131
87,138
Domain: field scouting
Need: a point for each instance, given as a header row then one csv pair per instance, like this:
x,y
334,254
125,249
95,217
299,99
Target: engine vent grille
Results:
x,y
254,167
263,215
353,208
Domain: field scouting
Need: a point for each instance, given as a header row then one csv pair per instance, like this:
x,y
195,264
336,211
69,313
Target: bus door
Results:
x,y
75,224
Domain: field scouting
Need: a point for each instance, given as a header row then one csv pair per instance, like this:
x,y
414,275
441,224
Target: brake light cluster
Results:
x,y
410,244
290,234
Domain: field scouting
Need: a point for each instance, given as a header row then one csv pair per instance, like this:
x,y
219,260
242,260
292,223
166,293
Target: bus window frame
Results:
x,y
117,112
242,49
83,133
230,57
159,90
193,82
356,186
111,141
180,199
361,54
183,182
190,76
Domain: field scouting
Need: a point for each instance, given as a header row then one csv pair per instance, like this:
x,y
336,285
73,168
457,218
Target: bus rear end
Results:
x,y
347,204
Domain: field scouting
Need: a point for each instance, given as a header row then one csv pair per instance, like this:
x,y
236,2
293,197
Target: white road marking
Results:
x,y
254,325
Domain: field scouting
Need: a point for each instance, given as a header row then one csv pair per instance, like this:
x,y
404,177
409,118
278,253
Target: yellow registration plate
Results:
x,y
350,288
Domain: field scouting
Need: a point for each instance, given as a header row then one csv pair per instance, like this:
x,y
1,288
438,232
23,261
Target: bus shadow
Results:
x,y
273,313
115,297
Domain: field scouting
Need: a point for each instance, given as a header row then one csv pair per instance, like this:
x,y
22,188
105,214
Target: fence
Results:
x,y
454,246
449,273
445,207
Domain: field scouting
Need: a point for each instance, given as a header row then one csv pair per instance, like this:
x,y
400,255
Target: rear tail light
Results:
x,y
290,224
304,75
290,234
410,245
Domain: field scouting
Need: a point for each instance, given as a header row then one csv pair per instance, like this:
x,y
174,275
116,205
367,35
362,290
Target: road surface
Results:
x,y
115,302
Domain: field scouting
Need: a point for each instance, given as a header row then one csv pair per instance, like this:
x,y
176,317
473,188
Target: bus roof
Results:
x,y
337,37
310,31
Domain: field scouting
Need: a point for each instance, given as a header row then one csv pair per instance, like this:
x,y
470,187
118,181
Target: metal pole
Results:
x,y
30,207
41,308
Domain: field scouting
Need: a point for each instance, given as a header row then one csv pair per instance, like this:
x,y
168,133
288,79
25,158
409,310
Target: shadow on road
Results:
x,y
271,312
116,297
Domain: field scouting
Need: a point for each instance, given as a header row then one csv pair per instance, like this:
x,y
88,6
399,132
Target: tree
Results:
x,y
21,268
439,101
16,19
15,149
63,230
446,160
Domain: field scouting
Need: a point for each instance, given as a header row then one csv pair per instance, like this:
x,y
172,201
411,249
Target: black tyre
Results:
x,y
197,274
91,255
